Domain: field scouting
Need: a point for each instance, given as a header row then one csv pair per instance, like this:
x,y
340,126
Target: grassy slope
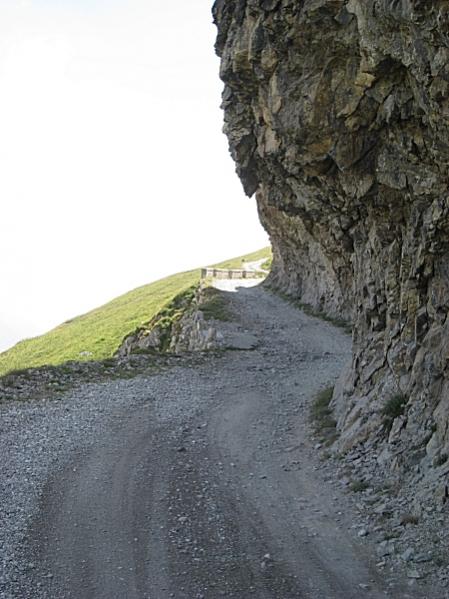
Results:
x,y
101,331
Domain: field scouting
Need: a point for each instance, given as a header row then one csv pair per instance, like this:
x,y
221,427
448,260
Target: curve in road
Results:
x,y
205,483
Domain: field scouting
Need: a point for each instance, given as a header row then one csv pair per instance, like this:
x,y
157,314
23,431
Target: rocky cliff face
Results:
x,y
337,113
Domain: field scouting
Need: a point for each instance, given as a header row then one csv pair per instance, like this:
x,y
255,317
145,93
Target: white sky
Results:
x,y
114,170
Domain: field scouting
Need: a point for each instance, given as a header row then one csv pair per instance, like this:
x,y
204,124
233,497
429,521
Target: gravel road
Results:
x,y
196,482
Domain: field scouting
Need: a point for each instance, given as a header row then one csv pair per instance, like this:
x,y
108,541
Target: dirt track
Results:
x,y
203,482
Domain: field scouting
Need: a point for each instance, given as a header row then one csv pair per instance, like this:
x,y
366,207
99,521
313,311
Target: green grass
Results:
x,y
322,418
214,305
392,409
238,262
101,331
267,264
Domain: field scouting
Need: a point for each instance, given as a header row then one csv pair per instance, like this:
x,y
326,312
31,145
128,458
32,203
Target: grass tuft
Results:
x,y
393,408
410,519
357,486
322,417
214,305
267,264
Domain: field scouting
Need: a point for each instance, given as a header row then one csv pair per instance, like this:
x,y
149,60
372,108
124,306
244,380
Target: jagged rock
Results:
x,y
414,574
336,115
143,339
407,555
179,327
194,333
385,548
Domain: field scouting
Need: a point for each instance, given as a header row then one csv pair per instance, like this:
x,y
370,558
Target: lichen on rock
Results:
x,y
336,112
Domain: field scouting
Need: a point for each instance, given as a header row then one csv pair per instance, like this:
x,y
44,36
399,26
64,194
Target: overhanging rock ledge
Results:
x,y
337,116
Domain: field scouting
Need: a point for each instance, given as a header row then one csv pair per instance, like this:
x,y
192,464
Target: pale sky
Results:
x,y
114,170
